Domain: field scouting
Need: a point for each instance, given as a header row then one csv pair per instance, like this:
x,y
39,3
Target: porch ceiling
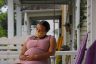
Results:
x,y
44,14
45,1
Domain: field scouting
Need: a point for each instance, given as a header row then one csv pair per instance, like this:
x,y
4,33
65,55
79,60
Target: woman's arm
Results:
x,y
45,55
23,49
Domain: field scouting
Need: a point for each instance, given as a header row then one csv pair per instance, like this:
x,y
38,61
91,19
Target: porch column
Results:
x,y
89,22
10,19
18,21
64,16
73,26
91,18
77,19
25,24
28,27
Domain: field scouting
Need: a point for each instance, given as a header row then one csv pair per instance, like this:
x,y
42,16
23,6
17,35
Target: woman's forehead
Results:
x,y
40,26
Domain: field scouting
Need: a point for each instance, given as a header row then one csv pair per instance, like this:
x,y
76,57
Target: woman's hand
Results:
x,y
23,57
31,57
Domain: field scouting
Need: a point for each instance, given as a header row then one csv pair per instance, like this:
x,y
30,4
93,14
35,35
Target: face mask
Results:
x,y
40,34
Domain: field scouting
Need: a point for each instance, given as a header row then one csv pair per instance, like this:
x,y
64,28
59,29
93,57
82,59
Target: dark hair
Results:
x,y
45,24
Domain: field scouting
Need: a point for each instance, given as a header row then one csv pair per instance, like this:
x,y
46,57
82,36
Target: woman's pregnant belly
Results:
x,y
34,51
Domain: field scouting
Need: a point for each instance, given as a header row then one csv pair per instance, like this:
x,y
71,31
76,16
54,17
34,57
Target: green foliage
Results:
x,y
3,21
3,32
1,3
3,24
2,16
83,8
58,59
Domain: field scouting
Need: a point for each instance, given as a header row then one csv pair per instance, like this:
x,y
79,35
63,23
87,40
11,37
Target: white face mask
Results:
x,y
40,34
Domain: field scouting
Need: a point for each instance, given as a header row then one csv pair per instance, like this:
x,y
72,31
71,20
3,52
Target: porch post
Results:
x,y
91,18
28,27
77,22
10,19
73,26
64,16
91,24
25,24
18,21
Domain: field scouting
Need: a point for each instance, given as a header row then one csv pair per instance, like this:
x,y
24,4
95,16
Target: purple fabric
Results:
x,y
91,54
81,51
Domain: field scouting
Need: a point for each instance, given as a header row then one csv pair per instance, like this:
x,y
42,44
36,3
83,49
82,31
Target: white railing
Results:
x,y
10,49
65,55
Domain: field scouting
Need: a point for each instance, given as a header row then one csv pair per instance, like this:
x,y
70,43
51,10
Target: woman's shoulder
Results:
x,y
29,37
51,36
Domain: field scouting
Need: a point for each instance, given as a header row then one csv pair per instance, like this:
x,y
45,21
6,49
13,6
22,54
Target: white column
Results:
x,y
93,20
89,23
73,27
28,27
77,22
10,19
18,21
65,10
25,24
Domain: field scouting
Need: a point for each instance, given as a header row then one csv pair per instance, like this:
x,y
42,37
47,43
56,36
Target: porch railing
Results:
x,y
10,50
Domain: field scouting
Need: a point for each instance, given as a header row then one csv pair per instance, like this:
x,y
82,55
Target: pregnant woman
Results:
x,y
38,49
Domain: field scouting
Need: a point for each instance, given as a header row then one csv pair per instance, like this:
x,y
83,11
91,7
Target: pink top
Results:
x,y
37,46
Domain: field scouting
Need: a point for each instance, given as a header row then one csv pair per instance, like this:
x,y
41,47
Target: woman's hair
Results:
x,y
45,24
